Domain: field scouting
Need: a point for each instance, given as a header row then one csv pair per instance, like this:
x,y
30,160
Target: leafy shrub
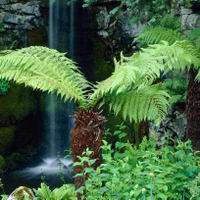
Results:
x,y
130,173
194,187
66,192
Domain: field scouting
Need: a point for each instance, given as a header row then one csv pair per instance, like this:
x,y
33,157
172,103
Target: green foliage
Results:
x,y
126,170
66,192
6,139
11,161
48,70
17,103
151,10
1,26
147,103
194,188
13,46
154,35
4,86
45,69
184,53
194,36
4,197
170,21
176,87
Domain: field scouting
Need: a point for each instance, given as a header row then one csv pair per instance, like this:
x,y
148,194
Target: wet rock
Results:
x,y
13,19
186,11
20,193
4,2
103,33
127,30
102,17
174,125
31,8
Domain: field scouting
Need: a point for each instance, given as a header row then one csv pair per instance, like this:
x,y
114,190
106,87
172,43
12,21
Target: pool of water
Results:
x,y
31,176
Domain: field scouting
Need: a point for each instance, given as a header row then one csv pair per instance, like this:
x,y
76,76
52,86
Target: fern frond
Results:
x,y
155,35
45,69
146,103
178,55
141,68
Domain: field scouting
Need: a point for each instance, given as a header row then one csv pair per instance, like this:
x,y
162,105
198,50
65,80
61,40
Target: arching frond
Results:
x,y
45,69
141,68
178,55
155,35
147,103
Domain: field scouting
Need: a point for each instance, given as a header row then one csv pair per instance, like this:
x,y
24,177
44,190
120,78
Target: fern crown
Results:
x,y
128,90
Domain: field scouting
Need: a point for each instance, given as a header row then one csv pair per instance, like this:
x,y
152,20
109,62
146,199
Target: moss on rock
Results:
x,y
16,104
6,139
21,192
102,69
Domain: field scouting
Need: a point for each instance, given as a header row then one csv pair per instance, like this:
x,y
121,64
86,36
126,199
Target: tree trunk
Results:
x,y
87,133
140,129
193,112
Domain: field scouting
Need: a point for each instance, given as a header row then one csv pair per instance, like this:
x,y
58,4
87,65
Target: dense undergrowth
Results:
x,y
153,172
150,172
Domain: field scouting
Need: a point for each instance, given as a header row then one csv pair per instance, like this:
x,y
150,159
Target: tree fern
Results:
x,y
49,70
45,69
146,103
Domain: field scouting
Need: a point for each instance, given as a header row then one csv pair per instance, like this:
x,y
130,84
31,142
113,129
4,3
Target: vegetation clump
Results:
x,y
165,172
6,139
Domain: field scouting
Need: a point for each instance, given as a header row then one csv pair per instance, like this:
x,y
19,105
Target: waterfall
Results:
x,y
60,17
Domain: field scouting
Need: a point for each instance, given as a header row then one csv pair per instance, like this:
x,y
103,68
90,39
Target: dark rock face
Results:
x,y
19,19
190,19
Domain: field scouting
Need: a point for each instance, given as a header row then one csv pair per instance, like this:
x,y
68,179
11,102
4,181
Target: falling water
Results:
x,y
58,122
58,18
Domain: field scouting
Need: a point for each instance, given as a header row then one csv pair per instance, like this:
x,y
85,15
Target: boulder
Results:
x,y
20,193
102,17
174,125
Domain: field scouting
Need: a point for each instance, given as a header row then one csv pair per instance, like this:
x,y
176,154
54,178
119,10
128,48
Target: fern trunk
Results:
x,y
87,133
193,111
140,130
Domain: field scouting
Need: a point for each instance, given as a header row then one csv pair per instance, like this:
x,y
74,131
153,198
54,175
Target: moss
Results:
x,y
37,37
102,69
16,104
12,160
20,193
6,139
2,165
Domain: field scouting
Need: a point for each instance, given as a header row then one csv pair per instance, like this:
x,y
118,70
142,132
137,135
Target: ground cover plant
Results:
x,y
150,172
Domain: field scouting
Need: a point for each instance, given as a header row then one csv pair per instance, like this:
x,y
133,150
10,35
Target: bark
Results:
x,y
193,112
140,130
87,133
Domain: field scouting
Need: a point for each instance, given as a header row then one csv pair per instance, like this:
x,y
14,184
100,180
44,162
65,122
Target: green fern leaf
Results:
x,y
147,103
45,69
